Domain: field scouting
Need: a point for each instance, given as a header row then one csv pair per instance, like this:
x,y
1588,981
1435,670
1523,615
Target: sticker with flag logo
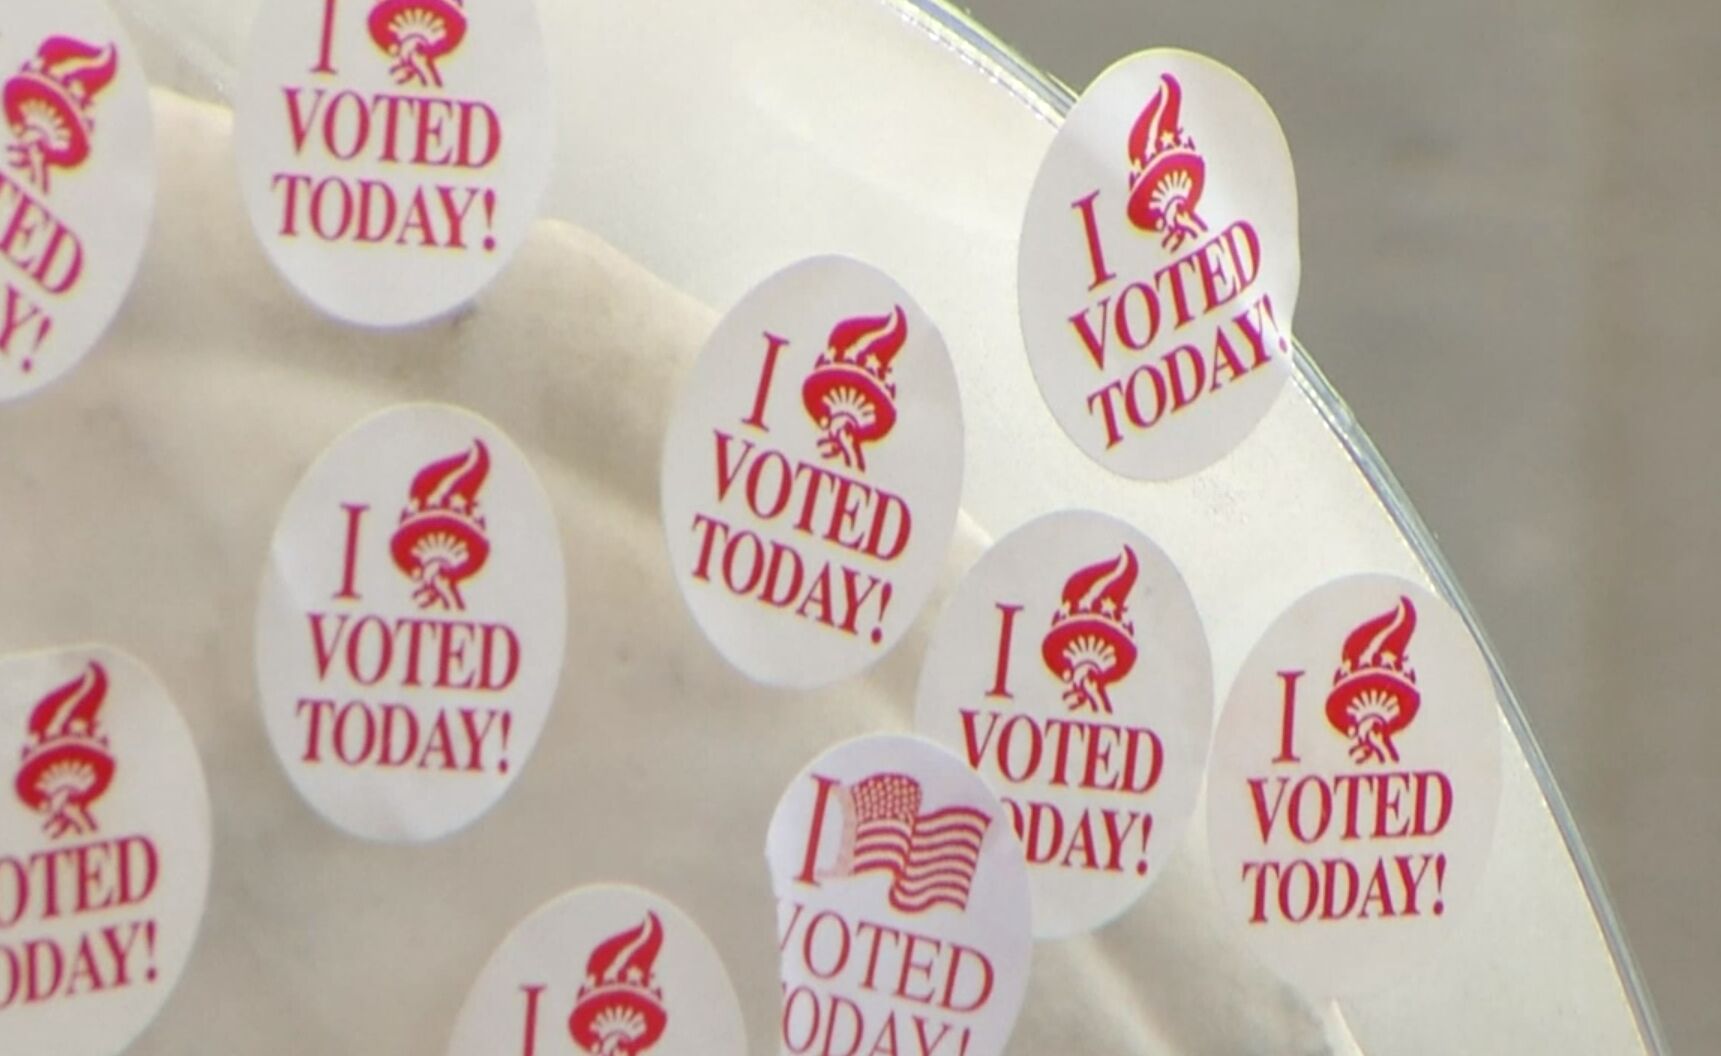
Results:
x,y
77,184
1354,785
1071,671
1158,265
812,473
411,626
606,970
393,153
903,909
104,850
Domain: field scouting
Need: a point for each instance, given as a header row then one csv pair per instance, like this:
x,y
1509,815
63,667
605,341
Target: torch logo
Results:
x,y
849,395
1166,174
1374,694
67,765
619,1010
48,106
1092,641
441,540
415,34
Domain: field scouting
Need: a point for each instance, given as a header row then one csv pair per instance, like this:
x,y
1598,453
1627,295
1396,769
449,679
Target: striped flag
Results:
x,y
930,858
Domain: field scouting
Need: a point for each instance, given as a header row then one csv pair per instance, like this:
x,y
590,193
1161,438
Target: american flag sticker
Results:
x,y
903,902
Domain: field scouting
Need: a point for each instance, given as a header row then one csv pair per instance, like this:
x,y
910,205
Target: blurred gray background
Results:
x,y
1509,270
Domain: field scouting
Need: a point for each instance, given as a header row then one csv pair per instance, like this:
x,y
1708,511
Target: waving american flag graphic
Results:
x,y
930,858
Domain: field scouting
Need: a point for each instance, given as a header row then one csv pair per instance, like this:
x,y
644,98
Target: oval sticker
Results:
x,y
393,153
603,971
1072,672
77,184
903,910
1159,264
1354,785
104,850
411,625
812,473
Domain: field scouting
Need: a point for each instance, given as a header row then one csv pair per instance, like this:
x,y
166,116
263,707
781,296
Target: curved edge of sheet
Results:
x,y
1050,99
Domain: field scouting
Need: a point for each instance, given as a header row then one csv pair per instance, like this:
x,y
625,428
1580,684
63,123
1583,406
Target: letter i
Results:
x,y
533,994
1006,628
1288,719
757,418
325,57
814,835
349,561
1091,228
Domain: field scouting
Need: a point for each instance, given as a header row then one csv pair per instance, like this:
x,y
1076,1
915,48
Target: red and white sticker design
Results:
x,y
1071,671
1354,785
77,184
1159,264
393,153
104,851
903,911
603,971
812,473
411,626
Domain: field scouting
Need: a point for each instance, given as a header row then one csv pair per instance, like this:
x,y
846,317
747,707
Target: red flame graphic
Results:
x,y
619,1010
1092,641
849,394
48,106
1167,176
67,765
441,540
416,33
1374,693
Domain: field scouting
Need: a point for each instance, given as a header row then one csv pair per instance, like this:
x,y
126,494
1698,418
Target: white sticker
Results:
x,y
411,625
1354,785
812,473
903,911
1071,671
104,851
77,184
603,971
393,153
1159,264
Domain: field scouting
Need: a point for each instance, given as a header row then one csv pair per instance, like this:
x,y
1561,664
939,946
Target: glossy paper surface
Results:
x,y
777,131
